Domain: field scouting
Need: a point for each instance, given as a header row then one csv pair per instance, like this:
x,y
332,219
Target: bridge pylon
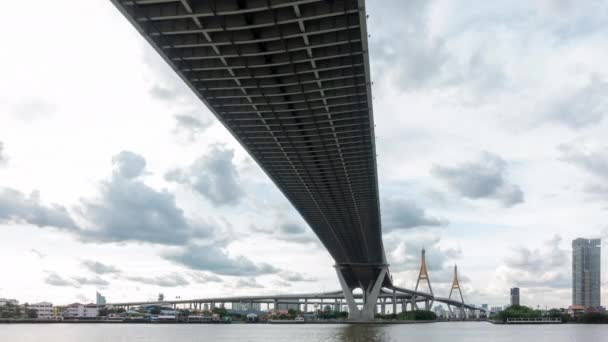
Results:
x,y
371,292
424,275
456,286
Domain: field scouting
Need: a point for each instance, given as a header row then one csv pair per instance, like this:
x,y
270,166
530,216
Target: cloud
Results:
x,y
99,268
128,164
97,281
295,277
287,231
164,93
168,280
286,227
482,178
214,176
583,107
129,210
3,156
248,283
403,214
547,266
33,108
203,278
38,253
82,298
56,280
419,57
191,124
213,259
16,207
593,159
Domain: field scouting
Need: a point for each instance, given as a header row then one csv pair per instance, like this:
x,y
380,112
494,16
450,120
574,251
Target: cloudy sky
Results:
x,y
492,154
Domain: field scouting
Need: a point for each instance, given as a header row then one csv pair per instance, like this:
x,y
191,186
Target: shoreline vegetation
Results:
x,y
524,312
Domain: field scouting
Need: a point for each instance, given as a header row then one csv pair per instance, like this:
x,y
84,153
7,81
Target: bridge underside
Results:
x,y
291,81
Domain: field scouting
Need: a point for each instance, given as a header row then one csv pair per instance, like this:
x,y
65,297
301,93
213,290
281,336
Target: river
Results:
x,y
444,332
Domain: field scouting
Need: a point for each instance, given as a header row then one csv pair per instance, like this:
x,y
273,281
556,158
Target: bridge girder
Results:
x,y
290,79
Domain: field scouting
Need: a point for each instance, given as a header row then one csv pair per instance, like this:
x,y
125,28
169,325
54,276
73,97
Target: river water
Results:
x,y
444,332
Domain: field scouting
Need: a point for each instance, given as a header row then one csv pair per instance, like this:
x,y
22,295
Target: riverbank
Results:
x,y
283,322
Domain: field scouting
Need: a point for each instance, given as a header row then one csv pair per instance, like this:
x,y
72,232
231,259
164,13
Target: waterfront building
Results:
x,y
576,310
515,296
586,275
244,306
77,310
43,309
290,306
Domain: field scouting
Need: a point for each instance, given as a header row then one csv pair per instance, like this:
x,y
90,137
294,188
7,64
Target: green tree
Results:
x,y
518,311
594,317
220,311
103,312
417,315
31,313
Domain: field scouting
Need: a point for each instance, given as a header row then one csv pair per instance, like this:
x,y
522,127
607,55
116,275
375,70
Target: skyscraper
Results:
x,y
586,279
514,296
99,299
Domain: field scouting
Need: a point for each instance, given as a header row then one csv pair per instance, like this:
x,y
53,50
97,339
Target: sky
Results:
x,y
490,133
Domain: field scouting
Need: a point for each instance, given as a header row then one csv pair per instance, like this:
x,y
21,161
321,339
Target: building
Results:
x,y
77,310
514,296
44,310
4,301
586,276
576,310
243,306
495,309
99,299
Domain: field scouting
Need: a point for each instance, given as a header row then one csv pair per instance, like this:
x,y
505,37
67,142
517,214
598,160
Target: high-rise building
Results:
x,y
586,277
514,296
99,299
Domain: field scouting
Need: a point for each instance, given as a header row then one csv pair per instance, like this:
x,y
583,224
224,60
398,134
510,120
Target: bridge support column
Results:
x,y
370,297
394,302
305,305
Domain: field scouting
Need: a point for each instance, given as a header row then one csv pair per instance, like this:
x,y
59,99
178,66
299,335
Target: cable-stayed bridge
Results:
x,y
290,79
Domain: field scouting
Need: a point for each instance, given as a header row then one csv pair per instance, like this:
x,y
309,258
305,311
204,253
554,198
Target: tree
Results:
x,y
220,311
417,315
594,317
31,313
103,312
10,311
518,311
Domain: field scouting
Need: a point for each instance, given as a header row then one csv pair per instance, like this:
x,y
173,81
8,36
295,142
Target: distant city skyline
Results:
x,y
491,150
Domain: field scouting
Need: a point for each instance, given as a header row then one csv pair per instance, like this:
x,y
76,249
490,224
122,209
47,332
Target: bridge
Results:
x,y
398,298
290,79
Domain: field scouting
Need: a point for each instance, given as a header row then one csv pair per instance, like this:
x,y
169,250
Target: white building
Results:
x,y
43,309
78,310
